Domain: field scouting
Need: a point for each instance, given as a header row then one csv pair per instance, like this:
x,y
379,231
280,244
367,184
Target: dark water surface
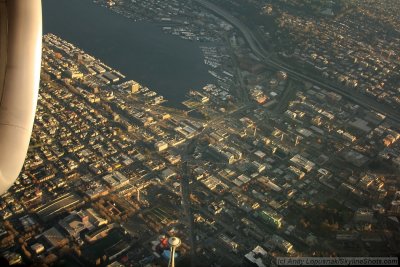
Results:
x,y
166,64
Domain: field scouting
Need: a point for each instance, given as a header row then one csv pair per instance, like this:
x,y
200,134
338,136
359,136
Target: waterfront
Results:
x,y
283,163
166,64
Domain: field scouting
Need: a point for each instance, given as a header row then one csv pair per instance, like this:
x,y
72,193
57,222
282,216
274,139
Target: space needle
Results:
x,y
173,242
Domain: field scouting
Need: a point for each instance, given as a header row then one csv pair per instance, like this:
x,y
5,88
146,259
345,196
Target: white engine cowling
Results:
x,y
20,63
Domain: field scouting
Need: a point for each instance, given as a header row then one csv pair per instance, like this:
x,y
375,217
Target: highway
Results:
x,y
254,44
259,51
288,94
185,191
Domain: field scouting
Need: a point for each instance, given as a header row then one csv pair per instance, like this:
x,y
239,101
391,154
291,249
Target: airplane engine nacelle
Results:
x,y
20,62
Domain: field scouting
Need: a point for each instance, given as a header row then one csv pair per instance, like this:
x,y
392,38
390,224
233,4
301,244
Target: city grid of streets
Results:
x,y
296,168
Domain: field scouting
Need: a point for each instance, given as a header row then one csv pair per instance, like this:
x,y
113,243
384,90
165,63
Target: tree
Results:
x,y
49,259
26,252
45,77
78,251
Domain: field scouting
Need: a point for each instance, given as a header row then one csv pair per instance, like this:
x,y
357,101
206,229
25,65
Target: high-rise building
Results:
x,y
135,87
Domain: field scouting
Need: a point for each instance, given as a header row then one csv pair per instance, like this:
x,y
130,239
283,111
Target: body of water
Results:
x,y
166,64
